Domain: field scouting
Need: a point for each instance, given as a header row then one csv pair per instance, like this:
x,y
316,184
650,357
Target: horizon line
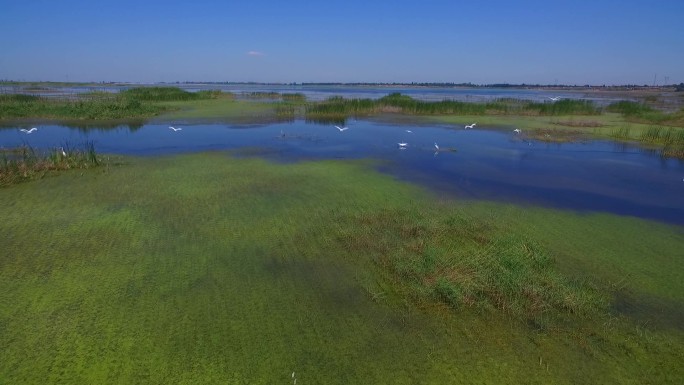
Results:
x,y
450,84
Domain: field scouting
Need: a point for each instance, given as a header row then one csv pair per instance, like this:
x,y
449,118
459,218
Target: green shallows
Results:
x,y
210,269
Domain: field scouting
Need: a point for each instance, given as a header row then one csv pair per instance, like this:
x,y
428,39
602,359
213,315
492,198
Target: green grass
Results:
x,y
210,269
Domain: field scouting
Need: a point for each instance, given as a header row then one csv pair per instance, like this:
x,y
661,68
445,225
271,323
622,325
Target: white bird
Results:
x,y
555,98
175,129
409,131
28,131
402,145
470,126
63,152
341,128
517,130
292,374
436,147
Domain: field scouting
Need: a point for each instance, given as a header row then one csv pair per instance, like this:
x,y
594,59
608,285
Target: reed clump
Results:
x,y
26,163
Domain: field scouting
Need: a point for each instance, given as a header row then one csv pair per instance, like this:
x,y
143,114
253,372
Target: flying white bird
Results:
x,y
517,130
409,131
402,145
470,126
436,147
341,128
28,131
175,129
555,98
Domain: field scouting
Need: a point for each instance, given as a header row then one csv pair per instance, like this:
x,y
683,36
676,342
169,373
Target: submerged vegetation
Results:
x,y
465,262
205,268
26,163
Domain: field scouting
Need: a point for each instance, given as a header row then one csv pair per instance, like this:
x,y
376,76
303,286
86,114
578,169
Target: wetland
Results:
x,y
261,240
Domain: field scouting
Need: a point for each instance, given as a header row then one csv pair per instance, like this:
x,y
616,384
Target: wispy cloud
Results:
x,y
255,53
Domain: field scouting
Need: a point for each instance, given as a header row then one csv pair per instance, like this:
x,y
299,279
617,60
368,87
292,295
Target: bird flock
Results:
x,y
401,145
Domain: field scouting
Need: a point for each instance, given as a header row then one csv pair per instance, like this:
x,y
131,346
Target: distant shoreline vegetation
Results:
x,y
618,87
132,103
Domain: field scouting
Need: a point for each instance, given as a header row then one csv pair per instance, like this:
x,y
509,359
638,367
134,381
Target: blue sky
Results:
x,y
483,42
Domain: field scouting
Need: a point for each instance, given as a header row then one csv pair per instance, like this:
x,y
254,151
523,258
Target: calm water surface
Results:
x,y
487,164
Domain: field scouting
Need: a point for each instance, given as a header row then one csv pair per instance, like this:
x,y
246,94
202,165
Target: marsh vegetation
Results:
x,y
143,102
341,108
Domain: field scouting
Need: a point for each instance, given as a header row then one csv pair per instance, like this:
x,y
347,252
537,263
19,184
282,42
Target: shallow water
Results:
x,y
484,164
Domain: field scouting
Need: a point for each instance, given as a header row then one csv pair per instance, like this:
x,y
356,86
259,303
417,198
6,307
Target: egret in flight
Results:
x,y
517,131
470,126
28,131
175,129
402,145
341,128
555,98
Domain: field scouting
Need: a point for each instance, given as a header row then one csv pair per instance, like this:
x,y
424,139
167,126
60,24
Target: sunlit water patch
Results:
x,y
477,164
